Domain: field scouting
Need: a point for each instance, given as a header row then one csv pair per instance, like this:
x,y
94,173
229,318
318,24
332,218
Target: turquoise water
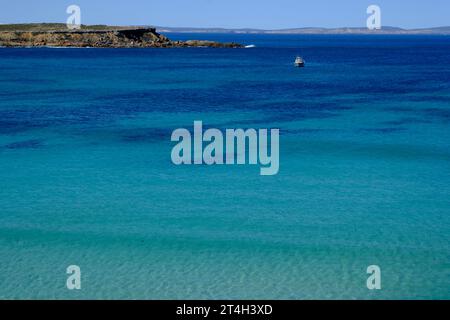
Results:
x,y
86,175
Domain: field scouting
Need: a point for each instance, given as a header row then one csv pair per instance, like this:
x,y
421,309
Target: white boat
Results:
x,y
299,62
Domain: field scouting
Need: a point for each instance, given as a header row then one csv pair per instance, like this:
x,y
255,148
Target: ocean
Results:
x,y
87,179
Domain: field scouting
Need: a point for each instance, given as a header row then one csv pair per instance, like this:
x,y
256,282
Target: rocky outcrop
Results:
x,y
123,38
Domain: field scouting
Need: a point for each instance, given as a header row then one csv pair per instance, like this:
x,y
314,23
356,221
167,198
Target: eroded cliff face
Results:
x,y
132,38
120,38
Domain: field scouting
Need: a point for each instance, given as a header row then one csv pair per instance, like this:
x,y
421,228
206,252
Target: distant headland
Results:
x,y
314,30
95,36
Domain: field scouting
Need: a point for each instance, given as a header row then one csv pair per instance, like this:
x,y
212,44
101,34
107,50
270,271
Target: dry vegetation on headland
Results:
x,y
96,36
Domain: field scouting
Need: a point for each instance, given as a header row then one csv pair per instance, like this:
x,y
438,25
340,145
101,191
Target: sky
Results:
x,y
263,14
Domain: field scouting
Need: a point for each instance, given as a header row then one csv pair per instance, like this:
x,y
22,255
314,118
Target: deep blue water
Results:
x,y
86,176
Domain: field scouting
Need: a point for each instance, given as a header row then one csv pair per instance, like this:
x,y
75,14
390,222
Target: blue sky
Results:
x,y
232,13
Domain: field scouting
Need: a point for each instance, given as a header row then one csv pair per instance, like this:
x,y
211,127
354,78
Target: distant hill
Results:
x,y
48,27
311,30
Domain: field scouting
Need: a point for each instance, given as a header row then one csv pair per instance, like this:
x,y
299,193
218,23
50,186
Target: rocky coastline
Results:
x,y
118,38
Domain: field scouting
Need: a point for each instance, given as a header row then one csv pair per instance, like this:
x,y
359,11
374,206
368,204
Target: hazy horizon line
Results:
x,y
231,28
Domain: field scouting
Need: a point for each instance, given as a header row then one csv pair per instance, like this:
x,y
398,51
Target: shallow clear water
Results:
x,y
86,176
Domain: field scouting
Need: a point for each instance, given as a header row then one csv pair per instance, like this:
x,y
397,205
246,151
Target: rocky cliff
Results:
x,y
119,38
